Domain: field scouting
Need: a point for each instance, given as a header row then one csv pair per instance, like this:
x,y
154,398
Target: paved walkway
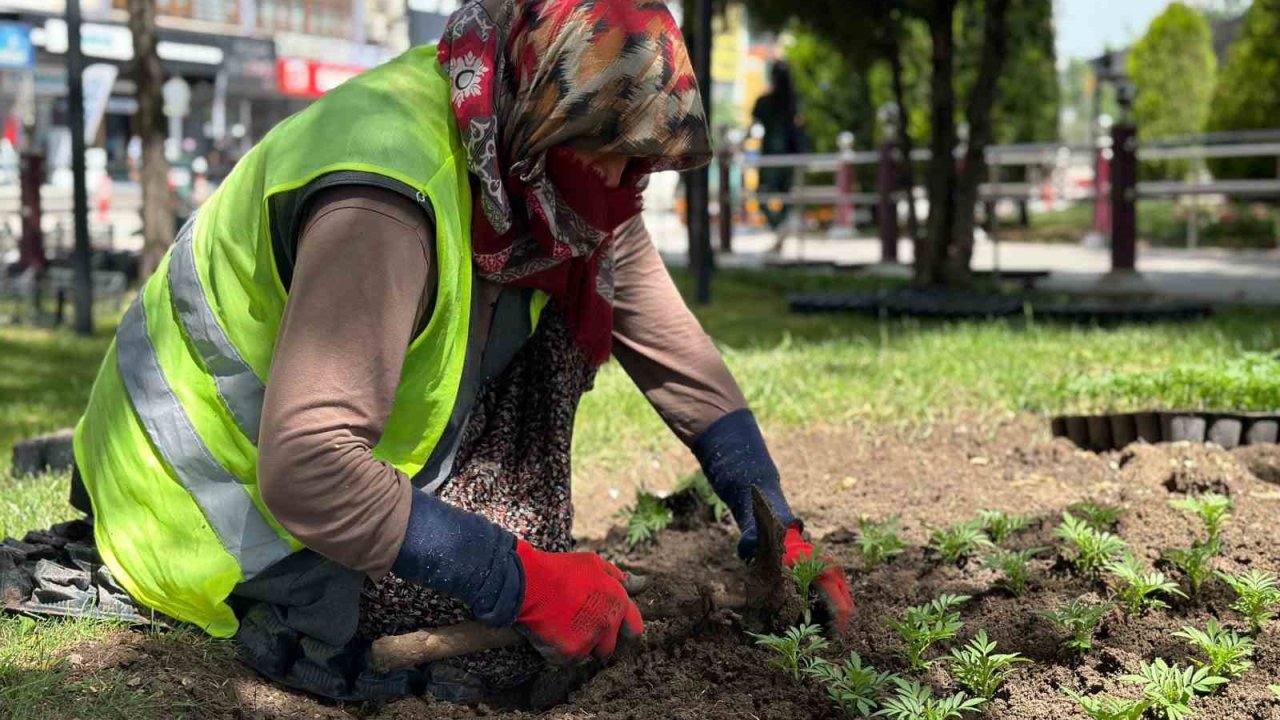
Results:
x,y
1207,275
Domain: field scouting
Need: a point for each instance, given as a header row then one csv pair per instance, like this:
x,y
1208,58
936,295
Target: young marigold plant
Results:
x,y
794,647
958,541
648,517
854,687
807,569
914,701
1078,619
1257,594
1226,651
1194,562
1014,568
1093,548
879,542
702,486
1105,707
1000,526
1214,511
1138,589
978,668
923,625
1171,689
1098,517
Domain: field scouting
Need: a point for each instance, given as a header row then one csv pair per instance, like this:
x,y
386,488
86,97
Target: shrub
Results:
x,y
1014,568
1105,707
978,668
923,625
1138,589
1214,511
958,541
1098,517
1194,562
648,517
793,647
1228,653
1171,689
853,686
914,701
879,542
1078,619
1258,598
1093,548
1000,526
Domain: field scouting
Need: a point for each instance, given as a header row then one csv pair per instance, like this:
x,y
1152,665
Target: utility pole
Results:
x,y
698,182
75,86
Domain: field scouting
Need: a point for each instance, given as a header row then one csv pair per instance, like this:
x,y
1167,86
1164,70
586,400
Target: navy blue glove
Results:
x,y
735,459
464,556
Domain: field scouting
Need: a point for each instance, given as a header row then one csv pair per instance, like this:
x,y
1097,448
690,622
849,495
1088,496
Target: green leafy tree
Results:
x,y
1173,69
834,96
1247,96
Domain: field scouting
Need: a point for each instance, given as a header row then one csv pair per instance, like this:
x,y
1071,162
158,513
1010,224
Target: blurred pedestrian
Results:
x,y
778,113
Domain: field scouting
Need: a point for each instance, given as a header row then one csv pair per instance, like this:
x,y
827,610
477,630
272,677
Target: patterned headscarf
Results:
x,y
534,78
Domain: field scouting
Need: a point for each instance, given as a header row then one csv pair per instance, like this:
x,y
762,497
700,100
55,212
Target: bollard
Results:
x,y
845,184
1124,195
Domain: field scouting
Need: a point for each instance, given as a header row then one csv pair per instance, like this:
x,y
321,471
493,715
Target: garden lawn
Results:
x,y
800,373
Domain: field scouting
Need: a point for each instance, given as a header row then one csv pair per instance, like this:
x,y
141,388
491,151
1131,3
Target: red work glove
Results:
x,y
830,586
574,606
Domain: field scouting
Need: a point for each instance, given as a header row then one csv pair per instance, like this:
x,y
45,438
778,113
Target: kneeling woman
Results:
x,y
342,407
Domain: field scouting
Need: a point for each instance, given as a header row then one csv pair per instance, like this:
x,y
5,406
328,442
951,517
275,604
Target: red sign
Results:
x,y
310,79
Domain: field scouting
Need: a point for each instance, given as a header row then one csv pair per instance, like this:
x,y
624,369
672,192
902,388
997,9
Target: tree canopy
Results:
x,y
1248,91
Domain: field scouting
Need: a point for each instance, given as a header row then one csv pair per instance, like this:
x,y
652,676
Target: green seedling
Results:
x,y
958,541
1093,548
1194,562
1138,589
1078,619
879,542
978,668
1171,689
1228,653
914,701
1014,568
1001,526
1105,707
1257,594
707,494
794,647
854,687
923,625
807,569
648,517
1214,511
1275,690
1099,517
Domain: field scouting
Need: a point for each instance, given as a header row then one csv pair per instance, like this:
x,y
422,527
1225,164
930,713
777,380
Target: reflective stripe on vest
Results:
x,y
239,387
242,530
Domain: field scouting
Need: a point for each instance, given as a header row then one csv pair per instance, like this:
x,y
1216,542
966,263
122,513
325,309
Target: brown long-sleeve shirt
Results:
x,y
362,288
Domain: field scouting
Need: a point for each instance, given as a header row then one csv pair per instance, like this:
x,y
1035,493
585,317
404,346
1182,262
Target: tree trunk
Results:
x,y
942,170
908,176
995,46
157,208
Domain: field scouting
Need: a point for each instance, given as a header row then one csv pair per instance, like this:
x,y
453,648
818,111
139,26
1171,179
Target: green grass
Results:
x,y
797,371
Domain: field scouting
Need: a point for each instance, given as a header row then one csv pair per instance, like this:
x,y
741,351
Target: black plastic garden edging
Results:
x,y
1116,430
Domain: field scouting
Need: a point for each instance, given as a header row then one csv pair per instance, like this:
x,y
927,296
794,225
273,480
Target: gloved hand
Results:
x,y
575,605
830,587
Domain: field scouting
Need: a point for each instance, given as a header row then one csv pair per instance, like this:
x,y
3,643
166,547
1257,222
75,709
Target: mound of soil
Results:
x,y
707,668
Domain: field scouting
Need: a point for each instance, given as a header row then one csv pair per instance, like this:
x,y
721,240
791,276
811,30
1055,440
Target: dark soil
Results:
x,y
707,668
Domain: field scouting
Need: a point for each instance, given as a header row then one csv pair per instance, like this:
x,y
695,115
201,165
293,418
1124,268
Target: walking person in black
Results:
x,y
778,113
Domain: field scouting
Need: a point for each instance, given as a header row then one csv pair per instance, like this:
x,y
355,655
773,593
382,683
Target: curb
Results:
x,y
1101,433
925,304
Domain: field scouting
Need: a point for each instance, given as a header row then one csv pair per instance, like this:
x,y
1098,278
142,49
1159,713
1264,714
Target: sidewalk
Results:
x,y
1208,275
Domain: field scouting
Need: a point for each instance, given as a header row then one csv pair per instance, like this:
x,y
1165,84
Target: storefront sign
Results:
x,y
115,42
15,46
310,79
330,50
